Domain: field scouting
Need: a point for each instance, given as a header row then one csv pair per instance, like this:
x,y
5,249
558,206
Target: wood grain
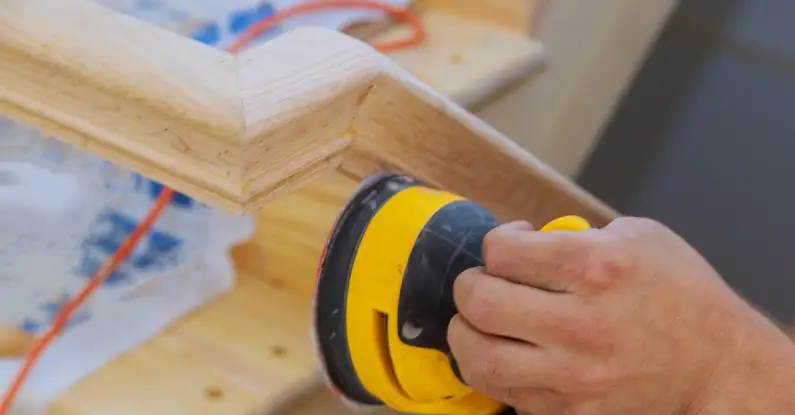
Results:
x,y
287,129
144,97
303,99
556,112
515,15
244,352
446,150
466,60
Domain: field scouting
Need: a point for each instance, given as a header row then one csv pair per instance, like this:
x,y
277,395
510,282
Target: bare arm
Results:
x,y
628,319
760,380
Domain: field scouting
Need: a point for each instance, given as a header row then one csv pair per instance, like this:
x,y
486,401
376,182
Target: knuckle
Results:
x,y
608,266
593,332
623,222
570,263
585,379
649,224
567,263
597,333
562,322
569,377
595,380
638,226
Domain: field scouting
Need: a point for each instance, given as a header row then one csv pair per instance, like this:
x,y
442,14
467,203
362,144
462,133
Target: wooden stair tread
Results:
x,y
248,348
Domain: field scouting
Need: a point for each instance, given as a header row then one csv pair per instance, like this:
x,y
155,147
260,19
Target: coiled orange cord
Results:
x,y
65,313
165,196
401,14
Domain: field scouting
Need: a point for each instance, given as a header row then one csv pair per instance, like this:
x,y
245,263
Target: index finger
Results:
x,y
552,261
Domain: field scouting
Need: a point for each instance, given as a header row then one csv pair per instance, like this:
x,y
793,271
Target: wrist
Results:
x,y
758,378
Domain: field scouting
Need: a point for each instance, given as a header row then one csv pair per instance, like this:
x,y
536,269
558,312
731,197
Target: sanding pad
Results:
x,y
333,276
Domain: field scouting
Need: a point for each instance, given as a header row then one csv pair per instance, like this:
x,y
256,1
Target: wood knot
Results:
x,y
456,59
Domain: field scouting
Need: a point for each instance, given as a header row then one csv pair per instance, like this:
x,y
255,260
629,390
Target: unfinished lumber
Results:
x,y
466,60
236,131
515,15
286,129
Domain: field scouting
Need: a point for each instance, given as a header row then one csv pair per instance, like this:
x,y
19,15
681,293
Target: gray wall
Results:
x,y
705,142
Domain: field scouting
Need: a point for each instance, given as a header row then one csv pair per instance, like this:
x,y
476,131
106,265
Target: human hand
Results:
x,y
627,319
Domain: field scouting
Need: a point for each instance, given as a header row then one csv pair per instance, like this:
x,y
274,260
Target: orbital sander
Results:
x,y
384,296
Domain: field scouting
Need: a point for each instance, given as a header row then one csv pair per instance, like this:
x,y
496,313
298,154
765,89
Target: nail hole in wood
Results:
x,y
456,59
214,393
278,351
275,283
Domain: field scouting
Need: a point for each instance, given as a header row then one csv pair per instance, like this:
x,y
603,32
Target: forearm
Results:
x,y
760,382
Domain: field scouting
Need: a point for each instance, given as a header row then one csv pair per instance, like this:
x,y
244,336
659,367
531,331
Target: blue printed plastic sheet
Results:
x,y
217,22
64,212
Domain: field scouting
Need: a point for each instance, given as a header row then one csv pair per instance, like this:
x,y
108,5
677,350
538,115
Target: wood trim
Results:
x,y
451,149
235,132
514,15
466,60
138,95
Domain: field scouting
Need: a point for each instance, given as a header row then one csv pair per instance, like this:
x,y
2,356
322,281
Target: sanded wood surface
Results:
x,y
288,127
466,60
317,400
592,52
231,131
515,15
130,92
245,351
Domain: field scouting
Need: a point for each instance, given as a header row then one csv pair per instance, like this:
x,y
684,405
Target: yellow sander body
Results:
x,y
384,296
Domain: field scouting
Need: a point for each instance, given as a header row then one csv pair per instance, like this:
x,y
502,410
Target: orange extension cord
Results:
x,y
164,198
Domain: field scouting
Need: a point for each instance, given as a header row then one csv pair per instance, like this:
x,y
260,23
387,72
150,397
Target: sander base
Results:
x,y
384,296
